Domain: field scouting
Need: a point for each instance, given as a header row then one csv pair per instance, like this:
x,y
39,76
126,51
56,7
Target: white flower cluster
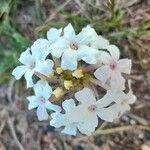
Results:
x,y
68,66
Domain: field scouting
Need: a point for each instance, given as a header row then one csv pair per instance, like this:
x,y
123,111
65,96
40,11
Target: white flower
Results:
x,y
94,40
41,100
113,67
72,48
122,101
84,116
31,64
41,46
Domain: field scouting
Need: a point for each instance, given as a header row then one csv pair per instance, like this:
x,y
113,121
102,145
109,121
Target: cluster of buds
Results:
x,y
70,68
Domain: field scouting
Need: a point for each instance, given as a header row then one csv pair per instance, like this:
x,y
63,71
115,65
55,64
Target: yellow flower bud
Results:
x,y
78,73
59,70
68,84
58,92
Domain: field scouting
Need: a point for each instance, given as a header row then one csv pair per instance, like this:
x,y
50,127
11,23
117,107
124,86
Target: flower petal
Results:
x,y
117,82
68,105
53,107
114,51
28,76
105,114
69,32
44,66
69,60
26,57
88,54
39,48
70,129
58,120
19,71
104,57
42,113
101,43
125,65
53,34
57,48
42,88
103,74
88,125
33,102
85,96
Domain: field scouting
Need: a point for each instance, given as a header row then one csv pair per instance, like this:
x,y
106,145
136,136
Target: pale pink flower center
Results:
x,y
92,108
74,46
32,66
42,99
113,65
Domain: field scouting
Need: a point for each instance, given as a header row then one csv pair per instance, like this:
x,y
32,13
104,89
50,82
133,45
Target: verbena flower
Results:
x,y
83,116
41,46
112,68
41,100
32,63
78,62
72,48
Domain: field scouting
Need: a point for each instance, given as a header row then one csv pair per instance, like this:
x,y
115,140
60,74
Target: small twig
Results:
x,y
113,130
11,126
10,90
91,67
49,79
2,126
99,83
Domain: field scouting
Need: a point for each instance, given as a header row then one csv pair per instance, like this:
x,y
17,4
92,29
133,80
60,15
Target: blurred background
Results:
x,y
125,23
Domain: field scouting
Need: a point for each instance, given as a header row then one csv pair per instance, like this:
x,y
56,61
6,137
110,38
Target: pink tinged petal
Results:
x,y
70,129
58,120
69,60
85,96
103,74
125,65
26,57
39,48
69,32
114,51
105,57
102,43
44,66
53,34
105,114
53,107
117,82
88,125
28,76
42,113
19,71
33,102
68,105
118,110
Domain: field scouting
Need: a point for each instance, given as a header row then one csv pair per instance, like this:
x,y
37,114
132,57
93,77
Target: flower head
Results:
x,y
32,63
83,116
72,48
112,68
41,100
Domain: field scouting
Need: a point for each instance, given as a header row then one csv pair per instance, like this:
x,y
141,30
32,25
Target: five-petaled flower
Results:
x,y
32,63
112,68
41,100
